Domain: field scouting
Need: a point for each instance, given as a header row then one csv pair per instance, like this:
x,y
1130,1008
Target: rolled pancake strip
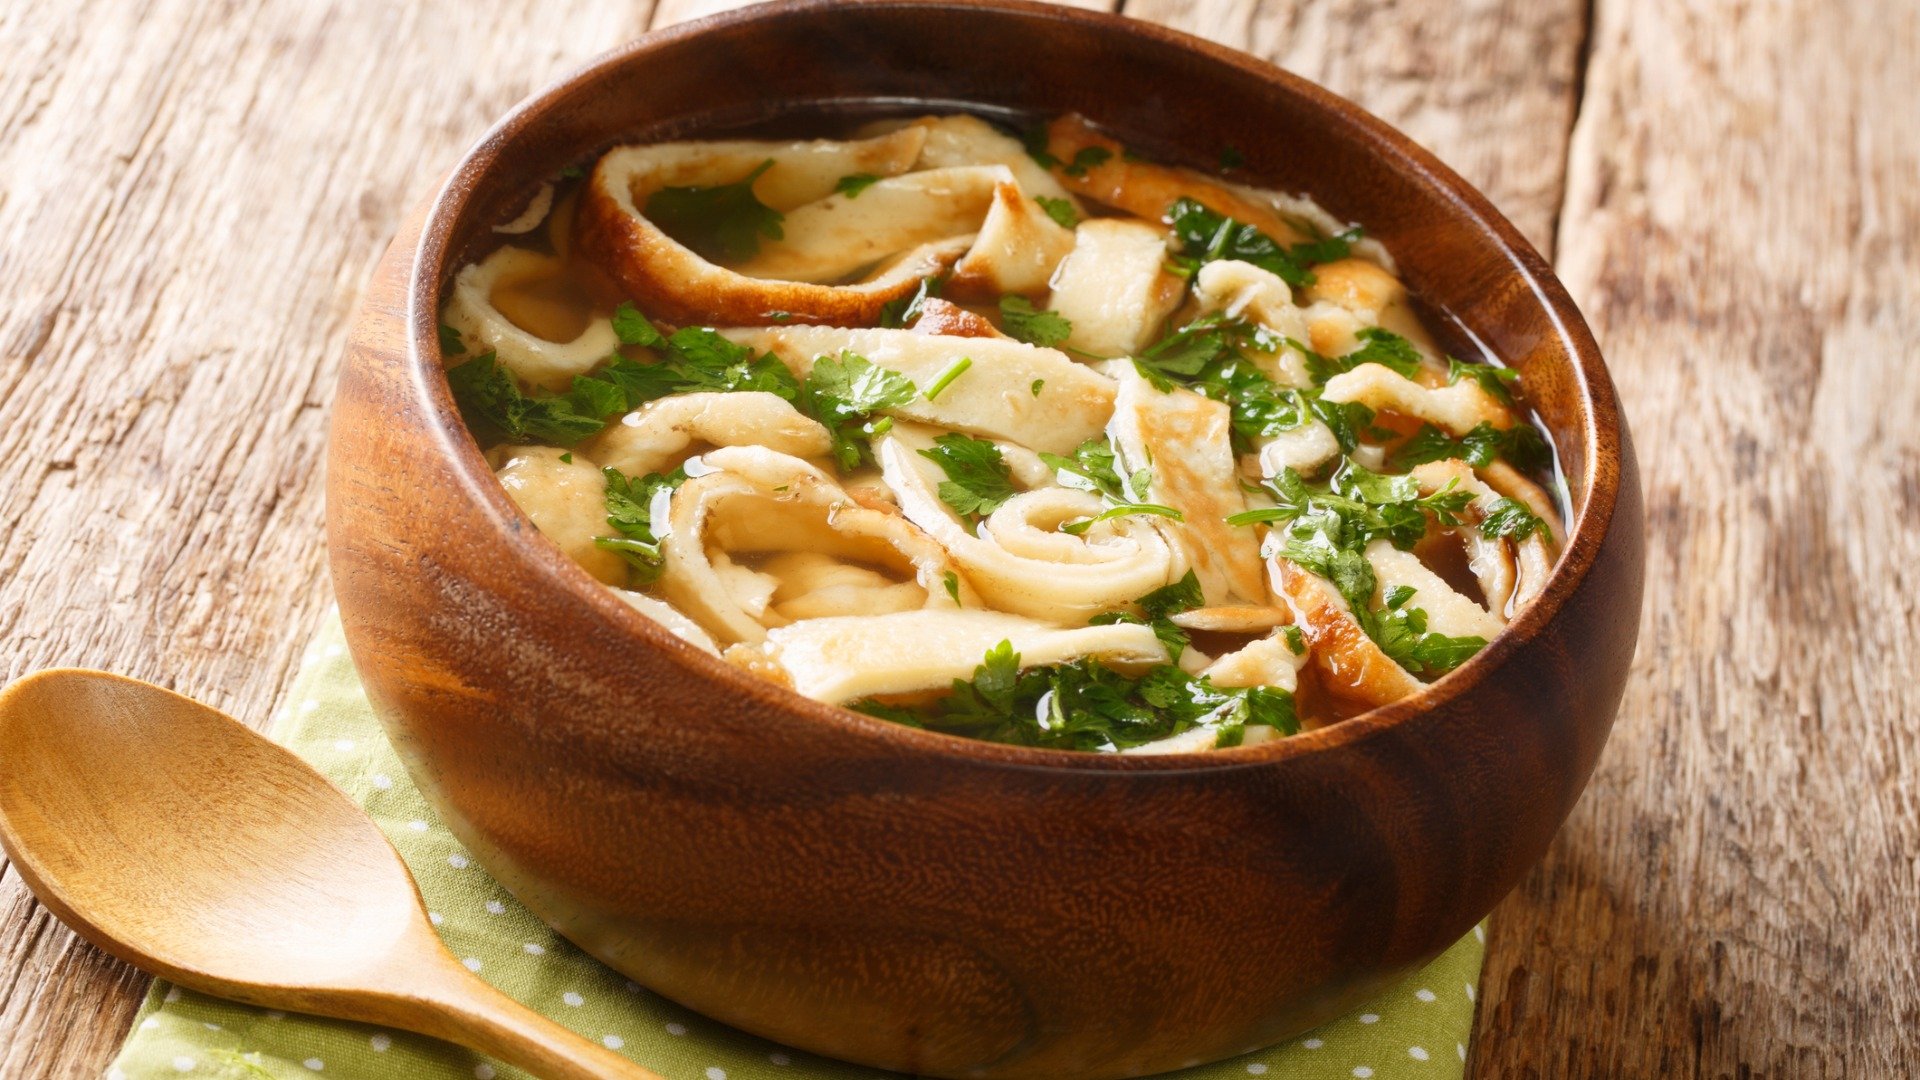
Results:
x,y
831,238
759,501
1184,439
1020,561
670,281
483,327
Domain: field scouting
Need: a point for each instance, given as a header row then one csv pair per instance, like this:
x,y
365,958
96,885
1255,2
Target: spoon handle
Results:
x,y
453,1004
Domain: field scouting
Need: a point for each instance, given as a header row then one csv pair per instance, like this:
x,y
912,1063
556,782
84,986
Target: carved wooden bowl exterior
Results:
x,y
910,900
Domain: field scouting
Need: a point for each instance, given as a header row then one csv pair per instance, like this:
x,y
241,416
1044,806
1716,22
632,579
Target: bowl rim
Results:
x,y
1601,427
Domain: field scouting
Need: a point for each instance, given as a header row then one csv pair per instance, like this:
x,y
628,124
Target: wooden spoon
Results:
x,y
175,838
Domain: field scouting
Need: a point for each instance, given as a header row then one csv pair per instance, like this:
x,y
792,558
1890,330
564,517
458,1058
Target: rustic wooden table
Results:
x,y
192,196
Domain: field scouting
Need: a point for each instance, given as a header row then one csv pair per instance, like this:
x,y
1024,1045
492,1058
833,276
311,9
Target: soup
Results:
x,y
1021,438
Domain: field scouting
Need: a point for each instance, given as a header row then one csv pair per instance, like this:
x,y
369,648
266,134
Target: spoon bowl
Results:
x,y
176,838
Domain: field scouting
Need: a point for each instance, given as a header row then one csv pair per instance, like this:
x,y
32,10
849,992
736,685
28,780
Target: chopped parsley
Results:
x,y
1295,638
1091,467
497,409
1401,632
1205,236
725,221
945,378
1512,519
631,502
1021,320
692,358
1038,384
1377,346
1325,530
952,581
1087,157
898,314
852,186
632,328
1155,609
978,480
1496,381
843,393
450,342
1521,445
1359,505
1060,210
1035,142
1208,356
1086,705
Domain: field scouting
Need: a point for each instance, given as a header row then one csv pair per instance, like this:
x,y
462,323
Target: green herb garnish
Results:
x,y
1086,705
1023,321
1295,638
1034,140
945,378
1205,236
630,505
725,221
692,359
852,186
1521,445
899,314
632,328
1325,530
1060,210
1156,608
1091,467
494,405
1383,347
1512,519
1401,632
1209,356
1496,381
978,480
843,393
1087,157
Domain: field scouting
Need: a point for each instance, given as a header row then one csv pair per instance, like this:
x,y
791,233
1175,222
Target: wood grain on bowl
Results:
x,y
903,899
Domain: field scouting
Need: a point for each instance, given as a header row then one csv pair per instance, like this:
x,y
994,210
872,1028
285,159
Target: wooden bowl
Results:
x,y
911,900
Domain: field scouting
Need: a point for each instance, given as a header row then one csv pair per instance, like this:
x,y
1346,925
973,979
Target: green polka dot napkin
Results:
x,y
1420,1029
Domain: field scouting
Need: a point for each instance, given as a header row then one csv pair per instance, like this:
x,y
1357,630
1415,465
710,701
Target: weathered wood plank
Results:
x,y
1488,85
1737,893
669,12
192,199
